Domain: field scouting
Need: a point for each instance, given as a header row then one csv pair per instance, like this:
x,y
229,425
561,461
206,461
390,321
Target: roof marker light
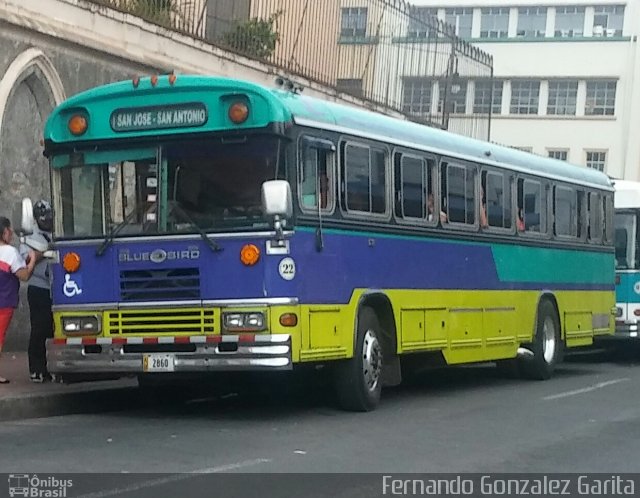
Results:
x,y
238,112
77,124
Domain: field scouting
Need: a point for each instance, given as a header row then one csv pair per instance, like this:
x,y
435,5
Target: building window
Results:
x,y
596,159
560,154
416,96
456,92
562,97
350,86
601,98
608,20
421,20
461,19
532,22
494,22
483,100
569,22
354,22
524,97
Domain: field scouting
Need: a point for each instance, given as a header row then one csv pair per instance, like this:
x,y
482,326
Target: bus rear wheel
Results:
x,y
358,381
546,346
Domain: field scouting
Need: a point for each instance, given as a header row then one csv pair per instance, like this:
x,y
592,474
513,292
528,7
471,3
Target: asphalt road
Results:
x,y
470,419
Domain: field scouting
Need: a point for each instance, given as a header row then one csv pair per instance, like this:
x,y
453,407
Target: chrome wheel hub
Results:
x,y
371,360
548,340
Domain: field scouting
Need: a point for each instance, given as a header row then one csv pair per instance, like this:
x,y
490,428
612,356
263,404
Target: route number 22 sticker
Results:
x,y
287,268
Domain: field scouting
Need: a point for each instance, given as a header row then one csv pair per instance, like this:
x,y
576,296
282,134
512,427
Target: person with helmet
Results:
x,y
39,295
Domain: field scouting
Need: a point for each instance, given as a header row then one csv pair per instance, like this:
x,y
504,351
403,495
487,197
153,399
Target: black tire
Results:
x,y
547,347
358,381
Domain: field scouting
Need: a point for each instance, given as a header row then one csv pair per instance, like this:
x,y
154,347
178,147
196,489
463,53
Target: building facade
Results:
x,y
566,76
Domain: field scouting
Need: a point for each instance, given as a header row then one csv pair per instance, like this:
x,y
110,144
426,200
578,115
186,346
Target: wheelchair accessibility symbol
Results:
x,y
70,287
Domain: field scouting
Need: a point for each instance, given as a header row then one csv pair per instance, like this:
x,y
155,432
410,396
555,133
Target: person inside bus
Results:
x,y
431,207
484,223
520,220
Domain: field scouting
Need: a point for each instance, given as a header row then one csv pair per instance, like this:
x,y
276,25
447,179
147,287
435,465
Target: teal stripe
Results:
x,y
539,264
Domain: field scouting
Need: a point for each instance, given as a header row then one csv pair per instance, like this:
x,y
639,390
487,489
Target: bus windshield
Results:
x,y
181,187
626,241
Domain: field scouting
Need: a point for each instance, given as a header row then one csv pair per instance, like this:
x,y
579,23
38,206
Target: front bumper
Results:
x,y
243,352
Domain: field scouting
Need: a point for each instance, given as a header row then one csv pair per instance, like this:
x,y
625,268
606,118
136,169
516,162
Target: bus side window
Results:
x,y
364,173
531,203
316,175
496,187
459,184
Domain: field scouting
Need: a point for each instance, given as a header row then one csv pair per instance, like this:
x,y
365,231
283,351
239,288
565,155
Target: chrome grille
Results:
x,y
161,284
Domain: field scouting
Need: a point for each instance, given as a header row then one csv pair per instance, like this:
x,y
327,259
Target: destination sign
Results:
x,y
159,117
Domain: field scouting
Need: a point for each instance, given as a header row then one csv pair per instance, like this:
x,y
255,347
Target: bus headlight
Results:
x,y
81,325
243,321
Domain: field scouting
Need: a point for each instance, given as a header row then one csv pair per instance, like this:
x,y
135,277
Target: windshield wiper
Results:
x,y
115,231
213,245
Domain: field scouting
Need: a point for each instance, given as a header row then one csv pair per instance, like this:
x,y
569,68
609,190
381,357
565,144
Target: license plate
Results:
x,y
157,363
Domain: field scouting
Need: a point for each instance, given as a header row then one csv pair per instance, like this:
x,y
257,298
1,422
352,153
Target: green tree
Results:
x,y
255,37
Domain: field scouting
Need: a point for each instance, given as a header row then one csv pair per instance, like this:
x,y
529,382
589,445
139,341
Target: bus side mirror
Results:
x,y
277,204
23,218
276,199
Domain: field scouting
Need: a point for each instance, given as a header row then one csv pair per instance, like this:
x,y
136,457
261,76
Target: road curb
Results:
x,y
96,400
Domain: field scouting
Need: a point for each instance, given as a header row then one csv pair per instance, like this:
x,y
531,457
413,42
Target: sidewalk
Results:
x,y
22,398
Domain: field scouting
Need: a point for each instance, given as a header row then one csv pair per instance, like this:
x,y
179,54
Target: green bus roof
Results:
x,y
278,106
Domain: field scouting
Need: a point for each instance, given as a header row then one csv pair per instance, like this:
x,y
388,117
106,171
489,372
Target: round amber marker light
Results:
x,y
77,124
71,262
238,112
249,254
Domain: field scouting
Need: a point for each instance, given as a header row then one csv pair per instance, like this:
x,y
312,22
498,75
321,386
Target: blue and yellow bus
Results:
x,y
627,251
206,224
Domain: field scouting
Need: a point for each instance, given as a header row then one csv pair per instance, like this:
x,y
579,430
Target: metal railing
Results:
x,y
386,52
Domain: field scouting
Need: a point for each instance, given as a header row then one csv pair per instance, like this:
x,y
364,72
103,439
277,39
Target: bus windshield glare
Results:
x,y
180,187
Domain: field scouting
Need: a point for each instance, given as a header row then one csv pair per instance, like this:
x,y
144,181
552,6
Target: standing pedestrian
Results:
x,y
13,268
39,295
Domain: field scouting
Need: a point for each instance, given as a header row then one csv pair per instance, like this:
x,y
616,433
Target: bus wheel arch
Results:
x,y
545,351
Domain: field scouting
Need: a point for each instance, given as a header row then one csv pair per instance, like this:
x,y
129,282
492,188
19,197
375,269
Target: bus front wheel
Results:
x,y
358,381
546,346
